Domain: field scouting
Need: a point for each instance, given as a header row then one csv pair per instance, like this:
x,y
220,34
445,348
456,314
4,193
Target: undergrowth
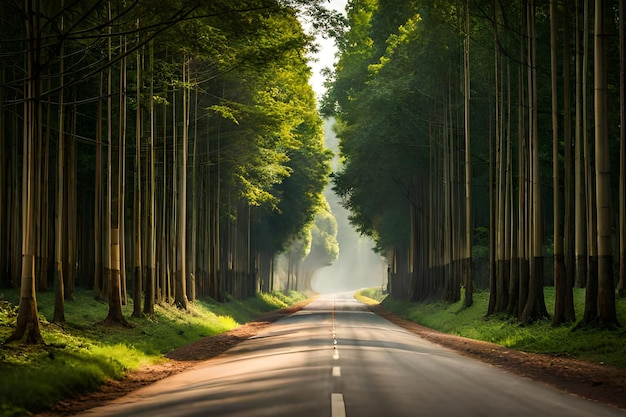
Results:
x,y
81,354
594,345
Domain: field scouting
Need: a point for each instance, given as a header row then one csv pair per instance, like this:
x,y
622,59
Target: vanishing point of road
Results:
x,y
335,358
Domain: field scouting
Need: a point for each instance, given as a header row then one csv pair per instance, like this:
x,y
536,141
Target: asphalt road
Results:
x,y
335,358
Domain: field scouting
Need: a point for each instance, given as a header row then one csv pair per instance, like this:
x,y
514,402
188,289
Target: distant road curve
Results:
x,y
335,358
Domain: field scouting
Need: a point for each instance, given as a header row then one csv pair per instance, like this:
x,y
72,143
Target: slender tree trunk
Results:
x,y
16,239
163,297
569,313
607,315
59,296
469,275
150,291
535,304
138,212
121,170
181,259
499,225
580,206
114,179
590,313
622,160
98,199
4,194
560,284
193,270
71,211
492,229
27,326
523,235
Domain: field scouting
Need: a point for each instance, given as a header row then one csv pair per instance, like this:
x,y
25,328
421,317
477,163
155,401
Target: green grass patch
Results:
x,y
81,354
370,295
594,345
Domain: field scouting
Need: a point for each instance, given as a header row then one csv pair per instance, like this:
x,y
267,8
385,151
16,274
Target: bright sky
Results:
x,y
326,55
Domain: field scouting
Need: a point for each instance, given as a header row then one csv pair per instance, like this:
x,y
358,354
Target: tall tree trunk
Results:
x,y
114,188
181,229
523,211
491,308
469,276
193,258
4,194
59,293
121,170
150,290
580,206
98,200
27,326
590,313
535,307
499,225
163,276
560,284
607,315
138,212
71,211
622,160
569,313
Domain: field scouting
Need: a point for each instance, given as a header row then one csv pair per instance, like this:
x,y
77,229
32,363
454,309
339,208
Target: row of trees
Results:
x,y
168,149
444,114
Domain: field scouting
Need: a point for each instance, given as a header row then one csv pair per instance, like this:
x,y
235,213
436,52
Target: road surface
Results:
x,y
335,358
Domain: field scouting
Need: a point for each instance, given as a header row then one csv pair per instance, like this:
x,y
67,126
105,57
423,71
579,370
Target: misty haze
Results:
x,y
358,266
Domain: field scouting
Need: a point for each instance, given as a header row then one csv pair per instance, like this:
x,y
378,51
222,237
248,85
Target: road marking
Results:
x,y
337,406
335,350
336,371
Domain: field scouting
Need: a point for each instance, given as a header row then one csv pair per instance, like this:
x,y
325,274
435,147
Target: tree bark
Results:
x,y
59,293
27,326
607,315
469,280
535,307
114,189
560,284
580,206
181,227
622,164
138,212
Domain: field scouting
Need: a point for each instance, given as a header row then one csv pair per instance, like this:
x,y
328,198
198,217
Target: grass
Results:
x,y
81,355
594,345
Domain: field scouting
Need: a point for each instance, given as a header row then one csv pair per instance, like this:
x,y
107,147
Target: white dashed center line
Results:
x,y
338,408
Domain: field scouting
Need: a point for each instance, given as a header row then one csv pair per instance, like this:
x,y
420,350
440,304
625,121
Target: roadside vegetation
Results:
x,y
589,344
80,355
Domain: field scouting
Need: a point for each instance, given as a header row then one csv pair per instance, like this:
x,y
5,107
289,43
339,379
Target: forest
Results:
x,y
483,146
158,152
164,151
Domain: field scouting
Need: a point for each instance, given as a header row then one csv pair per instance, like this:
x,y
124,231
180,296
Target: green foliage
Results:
x,y
81,354
324,245
600,346
370,295
253,115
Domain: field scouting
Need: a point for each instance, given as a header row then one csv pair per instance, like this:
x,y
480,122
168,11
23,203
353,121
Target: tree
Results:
x,y
59,296
469,281
534,307
563,306
622,172
27,327
607,315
